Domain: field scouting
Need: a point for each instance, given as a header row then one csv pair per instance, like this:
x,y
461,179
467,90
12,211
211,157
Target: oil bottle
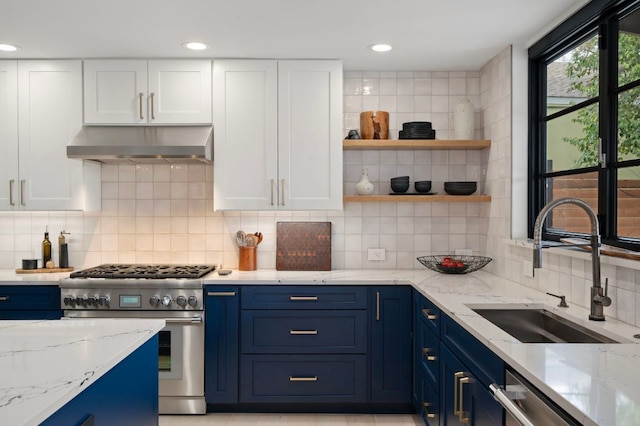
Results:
x,y
46,248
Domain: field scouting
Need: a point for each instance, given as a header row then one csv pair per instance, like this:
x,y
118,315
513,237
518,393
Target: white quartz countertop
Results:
x,y
595,383
45,364
10,277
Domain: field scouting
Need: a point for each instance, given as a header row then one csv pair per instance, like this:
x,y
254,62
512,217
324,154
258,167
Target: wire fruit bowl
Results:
x,y
469,263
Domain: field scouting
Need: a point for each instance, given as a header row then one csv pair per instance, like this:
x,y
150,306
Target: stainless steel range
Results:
x,y
170,292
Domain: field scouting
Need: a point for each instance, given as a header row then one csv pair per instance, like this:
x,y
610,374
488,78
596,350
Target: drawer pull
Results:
x,y
4,298
303,379
221,293
428,315
303,332
425,351
425,407
303,298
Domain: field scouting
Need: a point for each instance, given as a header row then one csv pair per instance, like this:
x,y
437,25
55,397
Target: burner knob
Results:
x,y
93,300
81,300
166,300
181,301
155,300
104,300
193,301
69,300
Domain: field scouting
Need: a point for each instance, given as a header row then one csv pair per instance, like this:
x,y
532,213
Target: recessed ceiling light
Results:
x,y
194,45
8,47
380,47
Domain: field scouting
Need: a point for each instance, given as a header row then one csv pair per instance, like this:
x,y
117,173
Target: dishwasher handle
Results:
x,y
501,396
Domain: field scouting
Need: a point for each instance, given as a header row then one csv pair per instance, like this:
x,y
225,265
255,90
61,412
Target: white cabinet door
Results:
x,y
115,92
310,135
49,116
179,91
9,180
147,92
245,124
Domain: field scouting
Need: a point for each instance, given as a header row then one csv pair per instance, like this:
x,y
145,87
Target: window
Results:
x,y
585,123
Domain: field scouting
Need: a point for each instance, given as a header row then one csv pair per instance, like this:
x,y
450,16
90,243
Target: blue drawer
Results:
x,y
29,297
304,297
428,398
303,378
314,331
428,313
427,351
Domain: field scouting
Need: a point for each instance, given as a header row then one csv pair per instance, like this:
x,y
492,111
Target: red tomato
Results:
x,y
459,264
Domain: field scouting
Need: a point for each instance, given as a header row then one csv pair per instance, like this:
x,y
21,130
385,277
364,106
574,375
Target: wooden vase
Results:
x,y
374,125
247,259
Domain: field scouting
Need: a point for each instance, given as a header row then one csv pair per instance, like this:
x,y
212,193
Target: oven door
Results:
x,y
180,357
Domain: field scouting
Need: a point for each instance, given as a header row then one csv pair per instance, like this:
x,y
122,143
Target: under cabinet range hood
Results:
x,y
143,144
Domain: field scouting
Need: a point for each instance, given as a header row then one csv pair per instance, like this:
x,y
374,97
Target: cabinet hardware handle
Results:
x,y
153,114
4,298
303,332
221,293
461,414
22,192
271,191
429,316
11,203
299,298
504,400
425,407
303,379
282,184
140,95
425,351
377,306
456,377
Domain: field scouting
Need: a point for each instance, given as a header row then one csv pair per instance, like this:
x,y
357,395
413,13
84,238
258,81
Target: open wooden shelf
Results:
x,y
402,144
417,198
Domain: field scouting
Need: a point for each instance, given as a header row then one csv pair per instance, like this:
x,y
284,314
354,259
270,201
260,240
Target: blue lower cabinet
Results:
x,y
125,396
222,305
303,379
427,398
465,399
25,302
390,316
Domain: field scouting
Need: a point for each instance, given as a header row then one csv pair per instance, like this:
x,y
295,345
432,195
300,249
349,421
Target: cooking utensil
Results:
x,y
250,240
240,238
259,235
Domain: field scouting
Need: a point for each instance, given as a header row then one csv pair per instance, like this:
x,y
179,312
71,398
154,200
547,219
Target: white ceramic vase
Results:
x,y
464,120
364,187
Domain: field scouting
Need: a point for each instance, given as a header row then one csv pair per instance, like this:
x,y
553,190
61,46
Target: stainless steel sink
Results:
x,y
541,326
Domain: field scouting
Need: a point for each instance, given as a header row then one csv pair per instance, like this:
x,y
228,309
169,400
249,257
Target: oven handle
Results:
x,y
192,320
511,408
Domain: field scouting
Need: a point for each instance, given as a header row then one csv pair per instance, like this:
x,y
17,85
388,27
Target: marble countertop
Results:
x,y
596,383
45,364
10,277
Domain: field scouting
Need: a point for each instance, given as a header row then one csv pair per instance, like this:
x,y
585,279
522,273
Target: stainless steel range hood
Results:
x,y
143,144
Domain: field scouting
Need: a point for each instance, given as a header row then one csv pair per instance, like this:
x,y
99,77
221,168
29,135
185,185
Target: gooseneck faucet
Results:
x,y
599,298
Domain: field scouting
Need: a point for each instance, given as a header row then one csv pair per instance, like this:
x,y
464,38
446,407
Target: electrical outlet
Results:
x,y
376,254
527,268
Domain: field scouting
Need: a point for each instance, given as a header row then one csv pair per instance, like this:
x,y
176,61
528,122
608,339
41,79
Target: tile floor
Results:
x,y
260,419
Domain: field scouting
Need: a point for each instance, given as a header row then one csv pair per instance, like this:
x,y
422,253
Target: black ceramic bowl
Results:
x,y
400,179
400,186
29,264
422,185
460,188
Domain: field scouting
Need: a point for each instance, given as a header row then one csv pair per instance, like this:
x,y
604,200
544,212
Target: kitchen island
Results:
x,y
594,383
66,371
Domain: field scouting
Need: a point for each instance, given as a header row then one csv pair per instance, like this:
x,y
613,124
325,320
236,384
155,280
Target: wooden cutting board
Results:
x,y
43,270
303,246
605,249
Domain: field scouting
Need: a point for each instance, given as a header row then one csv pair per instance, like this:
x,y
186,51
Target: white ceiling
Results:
x,y
426,34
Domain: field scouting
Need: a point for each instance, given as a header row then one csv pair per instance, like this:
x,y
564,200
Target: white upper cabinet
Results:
x,y
147,92
278,135
41,112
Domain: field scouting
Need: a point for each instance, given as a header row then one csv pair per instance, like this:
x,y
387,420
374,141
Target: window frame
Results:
x,y
599,17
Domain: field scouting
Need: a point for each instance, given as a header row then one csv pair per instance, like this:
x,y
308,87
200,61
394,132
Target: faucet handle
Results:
x,y
563,300
605,300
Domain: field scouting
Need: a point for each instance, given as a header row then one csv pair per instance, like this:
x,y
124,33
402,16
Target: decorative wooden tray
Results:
x,y
44,270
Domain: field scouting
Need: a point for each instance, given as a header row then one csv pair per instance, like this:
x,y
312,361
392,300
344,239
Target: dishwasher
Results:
x,y
527,406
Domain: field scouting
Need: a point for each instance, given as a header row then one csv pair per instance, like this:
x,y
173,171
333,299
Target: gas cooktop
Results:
x,y
117,271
